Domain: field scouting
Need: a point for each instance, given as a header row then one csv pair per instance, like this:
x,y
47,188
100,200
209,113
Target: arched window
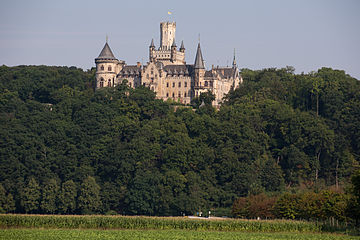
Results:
x,y
167,84
109,68
109,83
206,83
173,94
184,94
179,84
167,94
101,82
179,94
102,67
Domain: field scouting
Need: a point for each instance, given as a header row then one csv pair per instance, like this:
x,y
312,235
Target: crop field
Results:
x,y
62,234
124,227
161,223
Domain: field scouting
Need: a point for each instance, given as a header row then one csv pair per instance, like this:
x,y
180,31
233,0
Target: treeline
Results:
x,y
121,150
325,205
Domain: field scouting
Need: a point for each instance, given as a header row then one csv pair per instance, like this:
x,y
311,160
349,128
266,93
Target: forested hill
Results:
x,y
65,148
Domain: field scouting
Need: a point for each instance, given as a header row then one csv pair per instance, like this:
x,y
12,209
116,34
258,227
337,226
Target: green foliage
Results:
x,y
312,206
50,193
7,203
30,196
279,130
89,196
67,197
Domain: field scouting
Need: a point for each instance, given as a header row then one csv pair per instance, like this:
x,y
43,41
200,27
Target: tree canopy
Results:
x,y
65,148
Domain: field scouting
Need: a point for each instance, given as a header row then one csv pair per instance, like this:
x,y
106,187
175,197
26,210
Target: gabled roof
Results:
x,y
199,62
106,53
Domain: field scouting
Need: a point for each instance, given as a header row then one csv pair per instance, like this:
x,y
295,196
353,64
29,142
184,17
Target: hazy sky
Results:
x,y
305,34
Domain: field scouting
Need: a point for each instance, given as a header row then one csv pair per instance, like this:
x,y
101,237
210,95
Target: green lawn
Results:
x,y
65,234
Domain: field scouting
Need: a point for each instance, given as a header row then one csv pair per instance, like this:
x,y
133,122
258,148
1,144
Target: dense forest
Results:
x,y
67,149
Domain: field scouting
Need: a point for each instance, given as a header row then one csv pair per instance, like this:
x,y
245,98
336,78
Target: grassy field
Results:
x,y
62,234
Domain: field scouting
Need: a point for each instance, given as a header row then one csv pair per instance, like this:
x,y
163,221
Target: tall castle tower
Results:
x,y
106,68
167,53
167,34
199,72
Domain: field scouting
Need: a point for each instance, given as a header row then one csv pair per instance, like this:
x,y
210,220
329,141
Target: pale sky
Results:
x,y
305,34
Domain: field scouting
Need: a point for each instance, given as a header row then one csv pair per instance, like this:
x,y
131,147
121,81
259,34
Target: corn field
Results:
x,y
156,223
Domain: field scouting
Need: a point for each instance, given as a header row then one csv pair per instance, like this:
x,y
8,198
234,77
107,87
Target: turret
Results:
x,y
199,62
106,64
199,68
234,60
182,48
151,50
167,34
173,51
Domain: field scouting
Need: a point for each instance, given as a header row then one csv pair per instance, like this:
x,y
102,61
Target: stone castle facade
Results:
x,y
167,72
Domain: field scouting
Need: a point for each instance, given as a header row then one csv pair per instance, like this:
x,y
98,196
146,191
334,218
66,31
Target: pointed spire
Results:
x,y
234,61
106,53
182,45
152,43
174,43
199,62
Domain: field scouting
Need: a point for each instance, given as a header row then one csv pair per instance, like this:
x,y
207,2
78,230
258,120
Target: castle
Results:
x,y
167,73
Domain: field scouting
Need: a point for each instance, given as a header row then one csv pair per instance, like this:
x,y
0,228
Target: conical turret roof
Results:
x,y
234,60
182,45
106,53
199,62
152,43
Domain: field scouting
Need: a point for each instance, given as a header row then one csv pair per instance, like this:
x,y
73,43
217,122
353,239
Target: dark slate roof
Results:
x,y
225,72
199,62
106,53
174,43
182,45
152,43
130,70
178,69
208,74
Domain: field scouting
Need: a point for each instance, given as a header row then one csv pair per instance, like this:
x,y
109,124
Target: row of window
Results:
x,y
207,84
109,68
102,83
179,84
179,94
